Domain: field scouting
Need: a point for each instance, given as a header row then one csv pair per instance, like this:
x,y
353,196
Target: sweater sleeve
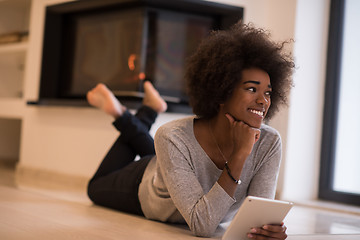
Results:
x,y
264,181
203,211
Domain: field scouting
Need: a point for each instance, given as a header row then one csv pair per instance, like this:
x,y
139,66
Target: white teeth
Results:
x,y
257,112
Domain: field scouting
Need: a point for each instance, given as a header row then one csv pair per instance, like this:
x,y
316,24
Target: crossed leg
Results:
x,y
116,181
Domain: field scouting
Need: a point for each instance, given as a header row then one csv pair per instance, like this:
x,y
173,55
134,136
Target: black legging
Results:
x,y
116,182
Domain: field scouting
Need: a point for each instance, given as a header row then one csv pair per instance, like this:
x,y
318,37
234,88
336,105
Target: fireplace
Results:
x,y
121,43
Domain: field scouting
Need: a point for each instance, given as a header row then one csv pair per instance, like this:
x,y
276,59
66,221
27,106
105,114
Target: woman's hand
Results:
x,y
244,137
268,232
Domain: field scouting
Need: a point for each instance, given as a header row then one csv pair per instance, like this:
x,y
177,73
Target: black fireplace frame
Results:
x,y
50,82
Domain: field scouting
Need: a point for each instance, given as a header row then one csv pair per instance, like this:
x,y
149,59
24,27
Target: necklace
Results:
x,y
217,145
223,156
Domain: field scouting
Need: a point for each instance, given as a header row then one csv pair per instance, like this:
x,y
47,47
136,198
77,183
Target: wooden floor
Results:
x,y
28,215
43,213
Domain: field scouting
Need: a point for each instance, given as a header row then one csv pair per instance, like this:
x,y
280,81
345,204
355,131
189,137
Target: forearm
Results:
x,y
206,214
235,167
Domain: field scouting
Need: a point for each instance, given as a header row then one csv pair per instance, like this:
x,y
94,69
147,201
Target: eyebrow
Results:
x,y
256,82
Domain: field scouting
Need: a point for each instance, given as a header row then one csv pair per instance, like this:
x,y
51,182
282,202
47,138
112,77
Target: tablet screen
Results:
x,y
256,212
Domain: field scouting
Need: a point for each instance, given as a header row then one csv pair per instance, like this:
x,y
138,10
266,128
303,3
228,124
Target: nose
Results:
x,y
262,99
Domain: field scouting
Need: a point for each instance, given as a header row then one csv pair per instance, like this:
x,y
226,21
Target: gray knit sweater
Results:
x,y
180,183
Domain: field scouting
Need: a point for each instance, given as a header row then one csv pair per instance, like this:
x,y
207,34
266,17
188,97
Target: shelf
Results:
x,y
13,47
14,18
15,3
12,108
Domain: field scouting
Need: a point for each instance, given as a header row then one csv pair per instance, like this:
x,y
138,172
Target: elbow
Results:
x,y
201,229
202,233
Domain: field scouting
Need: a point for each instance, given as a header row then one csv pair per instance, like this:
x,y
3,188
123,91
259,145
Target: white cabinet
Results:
x,y
14,21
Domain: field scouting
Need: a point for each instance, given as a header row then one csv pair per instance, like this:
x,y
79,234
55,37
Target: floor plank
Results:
x,y
27,215
57,212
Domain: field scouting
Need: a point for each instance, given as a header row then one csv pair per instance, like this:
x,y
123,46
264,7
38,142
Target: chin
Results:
x,y
256,126
253,124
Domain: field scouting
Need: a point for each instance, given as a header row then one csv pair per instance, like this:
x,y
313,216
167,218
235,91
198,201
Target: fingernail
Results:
x,y
265,227
253,230
250,235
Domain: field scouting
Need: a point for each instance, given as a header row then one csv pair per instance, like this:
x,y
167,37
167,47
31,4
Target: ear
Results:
x,y
221,107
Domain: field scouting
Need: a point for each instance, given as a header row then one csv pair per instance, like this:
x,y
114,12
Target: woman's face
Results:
x,y
251,98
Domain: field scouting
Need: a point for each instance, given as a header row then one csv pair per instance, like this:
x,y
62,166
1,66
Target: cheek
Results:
x,y
268,107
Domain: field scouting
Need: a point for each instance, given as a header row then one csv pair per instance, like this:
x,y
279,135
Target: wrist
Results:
x,y
234,166
228,171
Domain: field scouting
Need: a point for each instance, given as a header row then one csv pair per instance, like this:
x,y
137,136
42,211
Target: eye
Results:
x,y
268,93
252,89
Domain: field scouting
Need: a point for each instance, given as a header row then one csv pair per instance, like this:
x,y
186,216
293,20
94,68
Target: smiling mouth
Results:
x,y
259,113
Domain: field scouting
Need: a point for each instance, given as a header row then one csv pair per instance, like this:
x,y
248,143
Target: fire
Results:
x,y
131,62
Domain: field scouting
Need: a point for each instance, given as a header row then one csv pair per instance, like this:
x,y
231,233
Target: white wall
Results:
x,y
305,114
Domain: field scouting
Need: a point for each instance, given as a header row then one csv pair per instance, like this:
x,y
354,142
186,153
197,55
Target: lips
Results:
x,y
260,113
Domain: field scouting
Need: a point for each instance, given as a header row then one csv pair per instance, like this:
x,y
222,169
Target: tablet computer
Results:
x,y
256,212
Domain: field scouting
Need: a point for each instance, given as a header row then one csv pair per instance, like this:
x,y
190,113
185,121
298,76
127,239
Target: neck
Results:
x,y
219,130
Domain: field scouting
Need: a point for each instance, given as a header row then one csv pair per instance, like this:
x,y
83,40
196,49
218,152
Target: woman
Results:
x,y
205,165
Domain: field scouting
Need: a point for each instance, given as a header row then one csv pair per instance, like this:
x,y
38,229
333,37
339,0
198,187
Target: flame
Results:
x,y
142,76
131,62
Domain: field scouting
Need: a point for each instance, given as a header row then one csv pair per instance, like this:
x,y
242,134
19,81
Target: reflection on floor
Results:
x,y
55,212
310,221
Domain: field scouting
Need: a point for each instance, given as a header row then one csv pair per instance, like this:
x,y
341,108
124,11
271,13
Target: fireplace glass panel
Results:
x,y
107,49
173,37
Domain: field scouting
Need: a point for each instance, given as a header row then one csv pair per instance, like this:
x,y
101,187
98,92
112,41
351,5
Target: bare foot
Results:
x,y
153,99
101,97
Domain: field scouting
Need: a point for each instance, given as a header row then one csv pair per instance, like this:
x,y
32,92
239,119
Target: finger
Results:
x,y
275,228
230,118
259,233
261,237
257,135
